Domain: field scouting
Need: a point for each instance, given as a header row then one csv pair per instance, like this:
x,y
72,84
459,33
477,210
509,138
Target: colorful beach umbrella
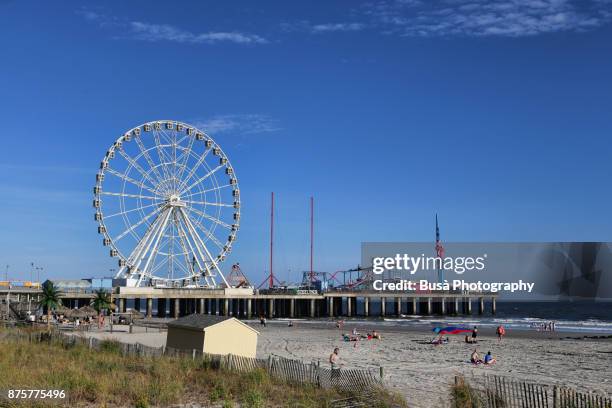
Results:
x,y
451,330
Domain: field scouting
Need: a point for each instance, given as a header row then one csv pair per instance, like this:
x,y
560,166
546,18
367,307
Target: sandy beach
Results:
x,y
423,372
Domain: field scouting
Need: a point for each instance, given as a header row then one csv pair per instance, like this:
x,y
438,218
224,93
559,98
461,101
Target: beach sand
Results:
x,y
423,372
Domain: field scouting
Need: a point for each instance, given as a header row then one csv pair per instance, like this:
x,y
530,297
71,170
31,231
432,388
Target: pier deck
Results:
x,y
244,303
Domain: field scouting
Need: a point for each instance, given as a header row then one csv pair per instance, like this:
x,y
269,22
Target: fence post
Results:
x,y
270,364
382,375
193,353
556,397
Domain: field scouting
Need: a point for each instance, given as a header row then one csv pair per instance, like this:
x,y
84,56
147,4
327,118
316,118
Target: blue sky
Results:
x,y
495,115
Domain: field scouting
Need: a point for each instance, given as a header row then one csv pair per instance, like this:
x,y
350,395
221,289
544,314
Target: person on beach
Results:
x,y
468,339
501,332
474,334
489,359
290,323
334,359
262,321
475,357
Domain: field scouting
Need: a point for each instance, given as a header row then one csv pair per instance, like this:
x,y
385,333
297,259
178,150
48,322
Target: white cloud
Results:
x,y
510,18
143,31
330,27
238,124
164,32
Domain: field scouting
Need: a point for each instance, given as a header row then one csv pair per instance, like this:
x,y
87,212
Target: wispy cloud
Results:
x,y
164,32
308,27
144,31
330,27
510,18
238,124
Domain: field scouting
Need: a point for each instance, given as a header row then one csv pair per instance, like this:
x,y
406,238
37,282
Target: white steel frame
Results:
x,y
171,203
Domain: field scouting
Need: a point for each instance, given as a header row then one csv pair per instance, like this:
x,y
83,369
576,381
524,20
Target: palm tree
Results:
x,y
50,299
102,300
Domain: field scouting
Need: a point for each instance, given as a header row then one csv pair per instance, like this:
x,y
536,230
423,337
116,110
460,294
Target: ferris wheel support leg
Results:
x,y
154,249
196,236
214,263
198,243
183,235
142,251
135,253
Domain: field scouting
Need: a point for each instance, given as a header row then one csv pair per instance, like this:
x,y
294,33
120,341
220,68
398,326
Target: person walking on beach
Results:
x,y
501,332
474,334
334,361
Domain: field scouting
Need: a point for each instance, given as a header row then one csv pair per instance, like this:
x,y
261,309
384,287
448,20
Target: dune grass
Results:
x,y
108,379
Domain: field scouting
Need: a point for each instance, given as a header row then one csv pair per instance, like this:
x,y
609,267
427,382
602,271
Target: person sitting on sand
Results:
x,y
290,323
355,332
468,339
376,335
489,358
475,357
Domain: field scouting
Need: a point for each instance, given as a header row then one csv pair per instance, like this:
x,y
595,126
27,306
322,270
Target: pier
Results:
x,y
246,303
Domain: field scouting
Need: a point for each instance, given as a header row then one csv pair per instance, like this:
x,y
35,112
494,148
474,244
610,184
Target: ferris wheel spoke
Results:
x,y
208,191
145,153
139,223
185,156
207,203
195,167
132,210
210,218
201,179
137,167
129,179
161,154
112,193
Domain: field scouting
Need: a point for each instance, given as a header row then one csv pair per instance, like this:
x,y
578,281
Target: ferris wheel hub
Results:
x,y
175,201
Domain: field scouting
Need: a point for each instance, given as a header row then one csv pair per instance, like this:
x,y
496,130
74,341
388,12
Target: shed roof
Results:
x,y
202,321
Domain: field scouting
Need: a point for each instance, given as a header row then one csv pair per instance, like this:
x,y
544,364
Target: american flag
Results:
x,y
439,247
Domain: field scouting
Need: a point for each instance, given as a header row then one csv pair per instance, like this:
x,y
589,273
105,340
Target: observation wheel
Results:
x,y
167,205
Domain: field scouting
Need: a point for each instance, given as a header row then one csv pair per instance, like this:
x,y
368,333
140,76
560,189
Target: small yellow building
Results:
x,y
212,334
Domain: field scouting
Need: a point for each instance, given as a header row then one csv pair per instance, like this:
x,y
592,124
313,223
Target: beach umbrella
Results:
x,y
451,330
88,311
135,314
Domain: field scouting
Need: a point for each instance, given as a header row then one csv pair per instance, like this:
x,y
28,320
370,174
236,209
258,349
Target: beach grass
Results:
x,y
464,396
107,378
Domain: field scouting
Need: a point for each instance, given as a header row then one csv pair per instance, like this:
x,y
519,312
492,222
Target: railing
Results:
x,y
500,392
284,369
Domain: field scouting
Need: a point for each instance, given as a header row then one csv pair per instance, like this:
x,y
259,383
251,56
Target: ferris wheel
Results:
x,y
167,205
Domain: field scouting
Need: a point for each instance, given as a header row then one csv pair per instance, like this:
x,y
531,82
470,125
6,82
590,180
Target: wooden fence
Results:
x,y
500,392
284,369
